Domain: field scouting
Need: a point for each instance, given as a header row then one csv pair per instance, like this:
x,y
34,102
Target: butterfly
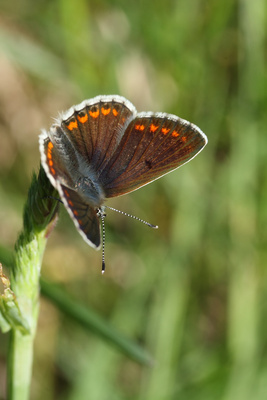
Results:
x,y
103,148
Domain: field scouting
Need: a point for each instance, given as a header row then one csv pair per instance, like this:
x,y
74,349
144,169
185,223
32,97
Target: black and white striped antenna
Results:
x,y
102,215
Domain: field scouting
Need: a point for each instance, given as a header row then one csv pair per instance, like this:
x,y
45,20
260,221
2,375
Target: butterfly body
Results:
x,y
103,148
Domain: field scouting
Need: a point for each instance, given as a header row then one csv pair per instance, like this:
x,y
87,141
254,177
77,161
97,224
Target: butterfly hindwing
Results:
x,y
53,163
84,216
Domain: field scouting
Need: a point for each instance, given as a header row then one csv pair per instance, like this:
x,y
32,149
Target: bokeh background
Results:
x,y
194,292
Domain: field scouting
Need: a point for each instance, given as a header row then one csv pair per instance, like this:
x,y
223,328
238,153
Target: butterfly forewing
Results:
x,y
153,145
95,130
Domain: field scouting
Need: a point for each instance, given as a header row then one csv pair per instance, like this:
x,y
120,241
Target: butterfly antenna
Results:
x,y
102,216
134,217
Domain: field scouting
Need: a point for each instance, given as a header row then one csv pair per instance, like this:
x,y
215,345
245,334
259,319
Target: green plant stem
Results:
x,y
39,218
20,365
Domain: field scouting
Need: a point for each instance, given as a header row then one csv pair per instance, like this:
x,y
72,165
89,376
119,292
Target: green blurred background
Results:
x,y
194,292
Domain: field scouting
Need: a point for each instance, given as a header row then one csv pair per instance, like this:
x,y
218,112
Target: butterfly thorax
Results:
x,y
91,191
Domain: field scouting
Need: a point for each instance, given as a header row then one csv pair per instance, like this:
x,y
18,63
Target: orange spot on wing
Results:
x,y
72,125
75,212
83,118
105,111
49,151
70,203
139,127
184,139
165,131
94,114
175,134
115,112
53,171
66,193
153,128
50,162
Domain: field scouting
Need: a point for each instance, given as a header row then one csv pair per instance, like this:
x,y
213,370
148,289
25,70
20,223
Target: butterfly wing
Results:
x,y
54,163
96,126
83,215
152,146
